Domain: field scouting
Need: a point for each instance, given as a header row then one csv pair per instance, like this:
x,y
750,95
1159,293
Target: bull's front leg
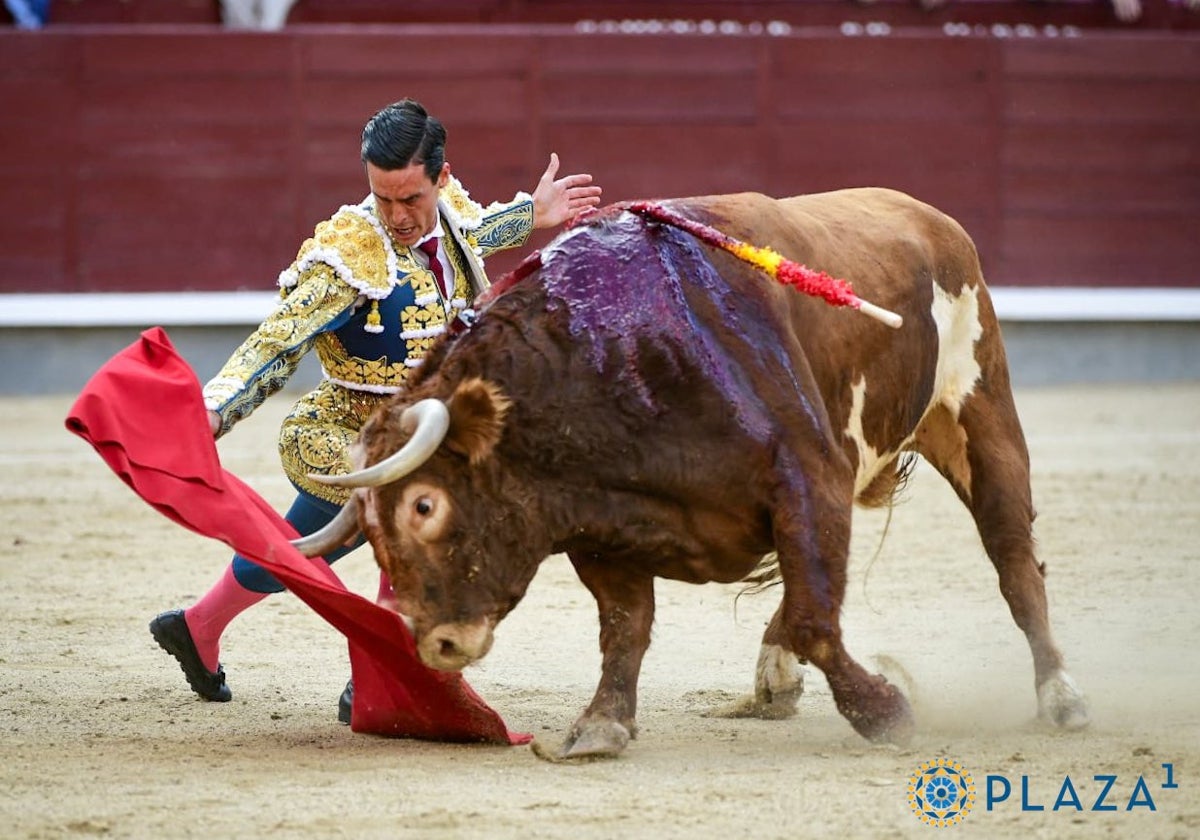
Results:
x,y
625,601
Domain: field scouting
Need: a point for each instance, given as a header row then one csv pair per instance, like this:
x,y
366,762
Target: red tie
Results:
x,y
430,247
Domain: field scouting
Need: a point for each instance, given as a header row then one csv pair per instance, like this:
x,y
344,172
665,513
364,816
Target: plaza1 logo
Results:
x,y
1103,792
941,792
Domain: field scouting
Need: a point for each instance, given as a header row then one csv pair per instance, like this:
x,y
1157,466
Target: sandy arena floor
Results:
x,y
101,737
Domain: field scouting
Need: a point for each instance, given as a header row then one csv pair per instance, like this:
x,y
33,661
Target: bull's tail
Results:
x,y
765,575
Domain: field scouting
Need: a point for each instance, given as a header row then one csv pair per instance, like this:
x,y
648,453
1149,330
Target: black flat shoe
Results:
x,y
171,632
346,703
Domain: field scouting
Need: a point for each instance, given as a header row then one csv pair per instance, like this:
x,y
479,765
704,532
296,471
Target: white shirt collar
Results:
x,y
436,233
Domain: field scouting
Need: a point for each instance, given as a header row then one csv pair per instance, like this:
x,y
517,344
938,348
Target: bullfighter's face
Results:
x,y
406,200
452,534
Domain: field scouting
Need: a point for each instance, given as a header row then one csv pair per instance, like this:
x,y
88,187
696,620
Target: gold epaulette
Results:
x,y
354,244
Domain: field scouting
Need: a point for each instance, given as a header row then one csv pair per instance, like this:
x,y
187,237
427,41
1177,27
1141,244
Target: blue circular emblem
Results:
x,y
941,792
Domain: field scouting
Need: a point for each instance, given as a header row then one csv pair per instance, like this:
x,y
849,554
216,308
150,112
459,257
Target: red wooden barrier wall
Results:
x,y
1156,14
138,159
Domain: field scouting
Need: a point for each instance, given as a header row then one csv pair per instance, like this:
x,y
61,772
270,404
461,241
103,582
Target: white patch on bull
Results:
x,y
778,674
1061,702
958,328
869,461
957,372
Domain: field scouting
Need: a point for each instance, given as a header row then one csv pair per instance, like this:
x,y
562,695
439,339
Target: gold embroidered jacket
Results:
x,y
370,310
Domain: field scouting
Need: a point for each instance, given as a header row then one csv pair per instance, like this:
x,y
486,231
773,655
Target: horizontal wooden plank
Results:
x,y
210,149
495,100
176,55
41,270
426,51
572,56
36,237
900,57
1116,194
37,55
331,151
1113,102
26,144
474,151
181,198
154,101
952,99
184,233
1139,250
639,161
1101,60
644,181
37,99
946,161
635,98
32,202
322,196
1136,147
36,224
182,267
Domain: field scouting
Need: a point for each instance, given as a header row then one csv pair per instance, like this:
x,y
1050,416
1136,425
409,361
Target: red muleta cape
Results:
x,y
144,414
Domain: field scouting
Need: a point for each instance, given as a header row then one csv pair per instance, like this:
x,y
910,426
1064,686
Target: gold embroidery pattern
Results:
x,y
270,355
467,213
317,434
462,283
507,228
347,256
339,364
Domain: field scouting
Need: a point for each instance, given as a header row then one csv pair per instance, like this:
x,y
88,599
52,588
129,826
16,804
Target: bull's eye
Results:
x,y
424,512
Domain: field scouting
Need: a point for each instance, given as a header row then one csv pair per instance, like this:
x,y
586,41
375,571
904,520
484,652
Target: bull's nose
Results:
x,y
452,647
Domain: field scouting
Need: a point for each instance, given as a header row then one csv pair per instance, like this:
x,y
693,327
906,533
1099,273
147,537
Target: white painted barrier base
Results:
x,y
230,308
52,344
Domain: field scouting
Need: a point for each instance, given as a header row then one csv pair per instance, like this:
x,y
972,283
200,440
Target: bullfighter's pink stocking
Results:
x,y
208,617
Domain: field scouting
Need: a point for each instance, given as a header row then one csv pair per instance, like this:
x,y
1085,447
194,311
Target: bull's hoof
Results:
x,y
889,720
779,705
1061,703
778,684
594,740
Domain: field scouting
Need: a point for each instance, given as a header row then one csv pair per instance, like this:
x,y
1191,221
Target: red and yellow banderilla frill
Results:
x,y
800,277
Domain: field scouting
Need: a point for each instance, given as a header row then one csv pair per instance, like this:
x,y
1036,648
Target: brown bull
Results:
x,y
654,407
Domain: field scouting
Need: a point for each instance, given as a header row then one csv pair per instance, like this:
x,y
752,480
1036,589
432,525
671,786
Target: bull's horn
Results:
x,y
340,530
427,421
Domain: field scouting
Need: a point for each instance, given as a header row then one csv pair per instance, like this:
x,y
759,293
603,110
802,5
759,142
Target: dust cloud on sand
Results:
x,y
99,735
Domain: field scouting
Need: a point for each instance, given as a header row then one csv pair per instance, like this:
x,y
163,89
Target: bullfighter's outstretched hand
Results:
x,y
556,202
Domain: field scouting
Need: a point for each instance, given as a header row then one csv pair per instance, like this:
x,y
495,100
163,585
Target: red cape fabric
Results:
x,y
144,414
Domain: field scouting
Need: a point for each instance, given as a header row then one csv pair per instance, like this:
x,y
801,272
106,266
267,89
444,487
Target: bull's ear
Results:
x,y
477,412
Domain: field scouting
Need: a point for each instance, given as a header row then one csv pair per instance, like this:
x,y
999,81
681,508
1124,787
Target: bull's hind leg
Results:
x,y
778,679
811,521
982,453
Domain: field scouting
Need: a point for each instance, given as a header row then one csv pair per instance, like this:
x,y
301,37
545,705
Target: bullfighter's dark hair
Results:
x,y
402,134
